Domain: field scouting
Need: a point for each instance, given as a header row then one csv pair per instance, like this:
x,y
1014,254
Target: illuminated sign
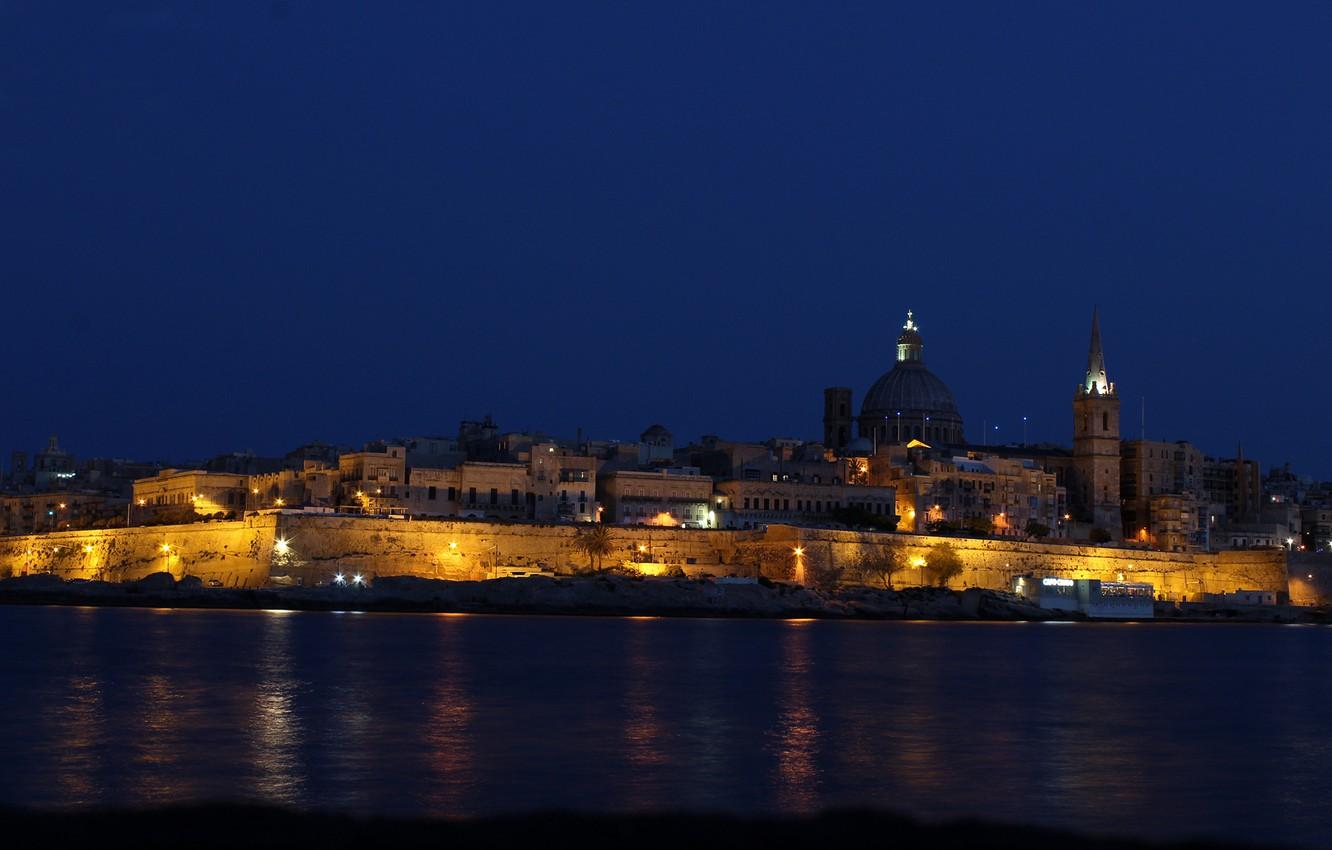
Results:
x,y
1057,582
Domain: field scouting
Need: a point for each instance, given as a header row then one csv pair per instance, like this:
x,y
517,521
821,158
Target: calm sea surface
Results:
x,y
1152,730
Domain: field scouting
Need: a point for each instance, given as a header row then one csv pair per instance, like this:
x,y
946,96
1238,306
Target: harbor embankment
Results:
x,y
601,595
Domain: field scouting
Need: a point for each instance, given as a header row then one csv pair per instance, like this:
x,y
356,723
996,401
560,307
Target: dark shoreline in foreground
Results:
x,y
253,826
603,595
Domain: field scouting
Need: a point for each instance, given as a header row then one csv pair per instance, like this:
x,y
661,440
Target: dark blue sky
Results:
x,y
246,225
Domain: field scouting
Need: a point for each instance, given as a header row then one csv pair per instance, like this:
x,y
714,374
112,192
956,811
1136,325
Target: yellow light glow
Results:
x,y
254,491
61,506
651,569
798,551
87,548
453,544
281,546
279,502
918,561
642,547
143,502
166,547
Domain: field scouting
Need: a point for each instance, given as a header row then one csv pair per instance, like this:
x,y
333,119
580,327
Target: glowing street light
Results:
x,y
281,546
358,580
339,579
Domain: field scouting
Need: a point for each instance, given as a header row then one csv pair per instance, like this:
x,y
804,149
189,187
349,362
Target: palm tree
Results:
x,y
595,542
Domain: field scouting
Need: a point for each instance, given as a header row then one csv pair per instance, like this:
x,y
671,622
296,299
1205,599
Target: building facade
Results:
x,y
668,497
753,504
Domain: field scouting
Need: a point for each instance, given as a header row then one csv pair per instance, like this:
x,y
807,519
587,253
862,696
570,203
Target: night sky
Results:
x,y
237,226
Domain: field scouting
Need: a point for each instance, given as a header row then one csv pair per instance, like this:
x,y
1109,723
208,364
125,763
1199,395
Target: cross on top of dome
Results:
x,y
909,344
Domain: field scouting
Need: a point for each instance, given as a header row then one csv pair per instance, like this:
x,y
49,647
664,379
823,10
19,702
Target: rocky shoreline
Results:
x,y
598,595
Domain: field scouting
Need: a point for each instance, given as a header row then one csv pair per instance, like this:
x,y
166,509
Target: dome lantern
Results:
x,y
909,344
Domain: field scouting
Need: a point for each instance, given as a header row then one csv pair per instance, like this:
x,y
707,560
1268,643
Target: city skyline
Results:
x,y
601,221
979,431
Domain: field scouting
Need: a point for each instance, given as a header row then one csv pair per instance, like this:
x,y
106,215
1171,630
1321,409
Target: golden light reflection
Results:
x,y
82,728
797,728
277,723
644,744
448,737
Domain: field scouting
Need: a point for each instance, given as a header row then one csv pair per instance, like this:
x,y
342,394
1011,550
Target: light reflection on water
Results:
x,y
1162,730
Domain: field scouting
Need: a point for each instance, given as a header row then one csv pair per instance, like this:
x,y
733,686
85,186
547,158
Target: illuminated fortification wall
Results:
x,y
993,563
235,553
313,548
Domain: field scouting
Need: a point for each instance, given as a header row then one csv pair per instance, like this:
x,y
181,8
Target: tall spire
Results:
x,y
1096,381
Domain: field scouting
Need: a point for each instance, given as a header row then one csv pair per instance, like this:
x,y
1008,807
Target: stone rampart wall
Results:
x,y
312,549
236,553
322,546
994,563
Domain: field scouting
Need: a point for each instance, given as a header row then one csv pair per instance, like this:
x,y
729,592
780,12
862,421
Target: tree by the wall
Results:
x,y
1038,530
878,565
944,564
594,541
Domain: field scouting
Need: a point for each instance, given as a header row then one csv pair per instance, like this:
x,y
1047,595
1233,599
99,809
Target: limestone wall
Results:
x,y
993,563
236,553
290,547
322,546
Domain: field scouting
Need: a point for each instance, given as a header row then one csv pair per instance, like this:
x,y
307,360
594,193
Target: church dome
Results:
x,y
908,386
909,401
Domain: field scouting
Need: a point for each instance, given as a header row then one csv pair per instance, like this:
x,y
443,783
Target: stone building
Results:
x,y
33,513
1161,488
373,481
908,401
316,484
659,497
837,418
1094,485
205,493
976,490
1316,525
753,504
564,484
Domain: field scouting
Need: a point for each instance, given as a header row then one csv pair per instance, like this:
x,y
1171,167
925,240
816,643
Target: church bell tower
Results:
x,y
1095,486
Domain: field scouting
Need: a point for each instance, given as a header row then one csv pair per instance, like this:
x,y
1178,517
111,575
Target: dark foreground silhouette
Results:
x,y
229,826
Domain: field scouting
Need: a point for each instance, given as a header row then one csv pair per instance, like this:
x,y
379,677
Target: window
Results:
x,y
430,493
494,496
471,495
513,497
453,493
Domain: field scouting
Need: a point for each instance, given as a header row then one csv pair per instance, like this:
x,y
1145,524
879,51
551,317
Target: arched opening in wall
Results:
x,y
1105,421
